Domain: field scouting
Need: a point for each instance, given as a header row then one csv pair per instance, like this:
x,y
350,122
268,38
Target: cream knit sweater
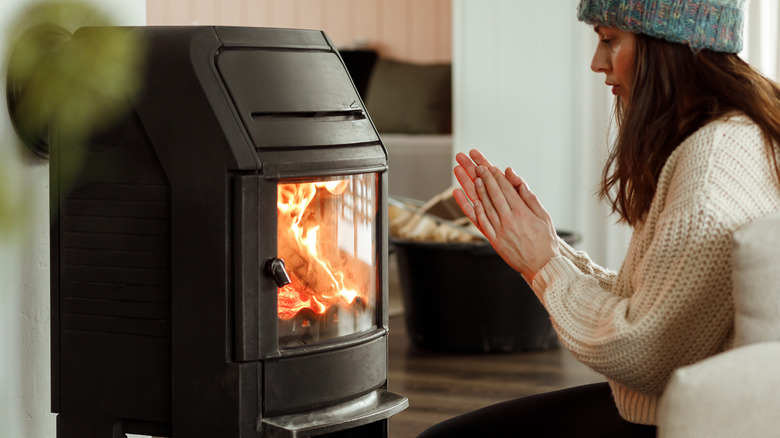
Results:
x,y
670,304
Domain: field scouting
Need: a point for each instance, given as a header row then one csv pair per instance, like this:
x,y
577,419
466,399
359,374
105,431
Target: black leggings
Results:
x,y
582,412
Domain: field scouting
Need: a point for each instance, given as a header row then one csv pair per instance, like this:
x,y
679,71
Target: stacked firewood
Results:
x,y
438,220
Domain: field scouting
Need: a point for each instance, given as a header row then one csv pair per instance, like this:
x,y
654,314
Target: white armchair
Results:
x,y
737,393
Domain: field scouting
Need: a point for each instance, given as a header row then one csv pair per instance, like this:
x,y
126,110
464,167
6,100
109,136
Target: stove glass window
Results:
x,y
327,233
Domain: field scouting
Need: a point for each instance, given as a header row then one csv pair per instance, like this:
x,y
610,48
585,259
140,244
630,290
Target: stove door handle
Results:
x,y
275,267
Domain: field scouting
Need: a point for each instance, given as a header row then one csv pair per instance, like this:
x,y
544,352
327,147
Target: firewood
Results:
x,y
443,205
411,222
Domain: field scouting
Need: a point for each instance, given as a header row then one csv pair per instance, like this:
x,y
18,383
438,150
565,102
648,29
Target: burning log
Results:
x,y
324,267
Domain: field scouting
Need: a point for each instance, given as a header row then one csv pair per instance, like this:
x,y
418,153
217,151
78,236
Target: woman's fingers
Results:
x,y
498,198
533,203
510,192
487,194
465,181
471,161
492,200
465,204
526,194
505,196
478,158
514,178
466,164
506,212
502,201
466,171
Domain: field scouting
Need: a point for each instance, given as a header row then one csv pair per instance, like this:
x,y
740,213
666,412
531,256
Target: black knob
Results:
x,y
275,267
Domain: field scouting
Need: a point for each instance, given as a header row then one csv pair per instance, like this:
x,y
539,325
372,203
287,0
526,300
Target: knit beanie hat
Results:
x,y
700,24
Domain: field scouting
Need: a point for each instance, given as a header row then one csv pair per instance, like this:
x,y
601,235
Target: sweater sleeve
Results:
x,y
581,260
671,303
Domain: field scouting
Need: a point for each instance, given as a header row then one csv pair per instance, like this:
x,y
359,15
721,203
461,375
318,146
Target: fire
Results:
x,y
308,218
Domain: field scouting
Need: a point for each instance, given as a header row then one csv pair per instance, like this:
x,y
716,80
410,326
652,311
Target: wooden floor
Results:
x,y
442,385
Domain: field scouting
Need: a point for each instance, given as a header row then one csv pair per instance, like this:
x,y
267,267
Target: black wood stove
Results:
x,y
219,262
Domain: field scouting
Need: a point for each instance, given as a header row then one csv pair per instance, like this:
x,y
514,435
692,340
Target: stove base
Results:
x,y
341,418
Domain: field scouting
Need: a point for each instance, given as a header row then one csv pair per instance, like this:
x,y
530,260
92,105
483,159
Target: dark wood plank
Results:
x,y
442,385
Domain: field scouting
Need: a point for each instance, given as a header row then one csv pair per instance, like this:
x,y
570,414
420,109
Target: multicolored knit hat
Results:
x,y
700,24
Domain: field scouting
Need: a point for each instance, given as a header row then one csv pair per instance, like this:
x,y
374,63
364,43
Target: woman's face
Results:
x,y
615,58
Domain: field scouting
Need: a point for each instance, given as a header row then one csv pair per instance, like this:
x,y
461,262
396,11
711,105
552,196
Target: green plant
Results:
x,y
74,84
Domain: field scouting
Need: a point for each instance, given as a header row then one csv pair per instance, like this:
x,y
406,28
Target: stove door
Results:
x,y
327,247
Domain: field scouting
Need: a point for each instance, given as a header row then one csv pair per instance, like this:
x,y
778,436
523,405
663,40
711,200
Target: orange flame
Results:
x,y
315,267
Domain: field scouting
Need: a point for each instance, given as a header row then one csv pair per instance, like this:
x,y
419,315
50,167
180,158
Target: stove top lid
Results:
x,y
291,89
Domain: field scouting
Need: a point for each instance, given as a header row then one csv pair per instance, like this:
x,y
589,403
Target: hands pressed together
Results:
x,y
507,212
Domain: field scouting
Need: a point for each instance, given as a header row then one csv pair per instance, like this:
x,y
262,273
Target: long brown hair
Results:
x,y
675,92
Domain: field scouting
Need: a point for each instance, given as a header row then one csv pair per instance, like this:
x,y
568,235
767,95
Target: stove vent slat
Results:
x,y
322,116
124,293
114,275
116,258
115,242
116,325
118,308
128,209
115,225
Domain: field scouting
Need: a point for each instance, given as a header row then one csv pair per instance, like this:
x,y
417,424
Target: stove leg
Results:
x,y
71,426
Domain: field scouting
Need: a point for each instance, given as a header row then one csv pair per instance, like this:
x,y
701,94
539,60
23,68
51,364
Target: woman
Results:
x,y
695,159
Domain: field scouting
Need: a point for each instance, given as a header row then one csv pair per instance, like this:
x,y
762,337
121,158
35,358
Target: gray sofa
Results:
x,y
737,393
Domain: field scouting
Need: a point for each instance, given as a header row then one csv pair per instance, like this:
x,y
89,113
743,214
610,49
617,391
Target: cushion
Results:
x,y
732,394
756,278
410,98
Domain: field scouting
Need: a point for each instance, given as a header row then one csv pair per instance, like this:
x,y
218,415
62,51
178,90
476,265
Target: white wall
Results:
x,y
25,377
515,91
524,95
761,48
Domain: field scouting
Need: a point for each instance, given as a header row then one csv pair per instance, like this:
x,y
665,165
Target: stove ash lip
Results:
x,y
377,405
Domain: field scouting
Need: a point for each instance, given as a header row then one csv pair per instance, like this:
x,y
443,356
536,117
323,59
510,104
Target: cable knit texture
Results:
x,y
670,304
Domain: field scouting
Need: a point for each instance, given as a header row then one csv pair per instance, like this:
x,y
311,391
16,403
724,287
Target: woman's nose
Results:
x,y
599,63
